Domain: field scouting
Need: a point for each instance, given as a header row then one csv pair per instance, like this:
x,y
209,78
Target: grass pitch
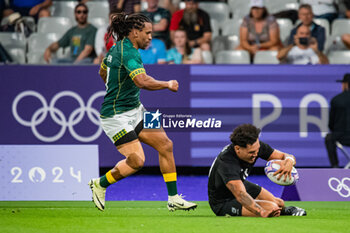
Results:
x,y
152,216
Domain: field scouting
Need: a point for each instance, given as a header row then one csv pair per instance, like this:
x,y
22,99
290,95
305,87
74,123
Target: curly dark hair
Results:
x,y
122,24
244,135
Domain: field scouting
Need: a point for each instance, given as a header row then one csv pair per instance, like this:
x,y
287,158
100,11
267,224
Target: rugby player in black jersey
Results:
x,y
229,191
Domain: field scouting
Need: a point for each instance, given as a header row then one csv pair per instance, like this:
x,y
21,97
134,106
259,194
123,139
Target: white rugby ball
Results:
x,y
271,167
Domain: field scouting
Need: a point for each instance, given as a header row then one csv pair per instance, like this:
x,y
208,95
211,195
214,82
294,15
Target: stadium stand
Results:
x,y
35,58
57,25
215,28
275,6
64,9
239,8
339,57
232,57
221,43
266,57
98,22
216,10
40,41
340,27
285,26
231,27
324,23
17,54
98,9
207,57
13,40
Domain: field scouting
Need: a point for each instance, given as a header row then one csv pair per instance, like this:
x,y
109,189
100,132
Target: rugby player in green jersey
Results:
x,y
122,112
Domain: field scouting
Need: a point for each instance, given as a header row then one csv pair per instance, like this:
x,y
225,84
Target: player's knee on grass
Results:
x,y
135,161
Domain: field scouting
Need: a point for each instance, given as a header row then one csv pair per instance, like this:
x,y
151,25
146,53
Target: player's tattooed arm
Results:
x,y
238,190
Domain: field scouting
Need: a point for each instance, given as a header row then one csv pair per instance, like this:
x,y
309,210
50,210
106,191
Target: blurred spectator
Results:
x,y
195,22
339,121
306,18
170,5
259,30
182,53
344,9
103,42
127,6
2,7
155,53
34,8
160,18
80,38
305,51
325,9
346,37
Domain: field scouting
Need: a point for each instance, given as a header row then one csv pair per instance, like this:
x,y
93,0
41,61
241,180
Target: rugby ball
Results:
x,y
271,167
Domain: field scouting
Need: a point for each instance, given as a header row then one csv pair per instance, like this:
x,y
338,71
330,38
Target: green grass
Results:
x,y
152,216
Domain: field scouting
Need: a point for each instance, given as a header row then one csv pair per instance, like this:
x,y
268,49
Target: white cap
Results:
x,y
13,17
257,3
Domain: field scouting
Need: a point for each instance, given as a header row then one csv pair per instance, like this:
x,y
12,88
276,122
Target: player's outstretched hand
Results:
x,y
173,85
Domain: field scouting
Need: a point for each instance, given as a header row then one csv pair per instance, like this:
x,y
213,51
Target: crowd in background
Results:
x,y
183,36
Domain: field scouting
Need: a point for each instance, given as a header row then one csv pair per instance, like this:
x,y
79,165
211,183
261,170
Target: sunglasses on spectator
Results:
x,y
81,12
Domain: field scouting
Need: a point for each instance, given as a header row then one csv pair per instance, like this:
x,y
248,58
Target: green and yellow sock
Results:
x,y
107,179
170,180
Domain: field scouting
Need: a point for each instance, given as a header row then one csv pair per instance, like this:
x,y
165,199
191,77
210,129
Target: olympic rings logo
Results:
x,y
58,117
339,186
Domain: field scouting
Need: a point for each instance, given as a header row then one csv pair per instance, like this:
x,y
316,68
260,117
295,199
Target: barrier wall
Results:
x,y
59,105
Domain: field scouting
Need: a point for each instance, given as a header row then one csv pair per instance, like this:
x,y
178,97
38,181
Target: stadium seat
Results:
x,y
207,57
275,6
216,10
13,40
98,9
64,9
36,57
231,27
266,57
345,152
324,23
286,26
339,57
98,22
340,27
57,25
232,57
40,41
334,43
239,8
17,54
215,29
221,43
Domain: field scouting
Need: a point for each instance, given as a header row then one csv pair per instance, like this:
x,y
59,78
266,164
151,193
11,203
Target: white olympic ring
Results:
x,y
340,186
58,117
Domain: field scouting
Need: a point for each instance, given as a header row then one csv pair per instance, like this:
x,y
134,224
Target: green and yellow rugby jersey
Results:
x,y
123,63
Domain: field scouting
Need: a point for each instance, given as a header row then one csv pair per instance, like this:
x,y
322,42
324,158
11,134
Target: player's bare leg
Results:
x,y
158,139
134,161
268,206
267,196
289,210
